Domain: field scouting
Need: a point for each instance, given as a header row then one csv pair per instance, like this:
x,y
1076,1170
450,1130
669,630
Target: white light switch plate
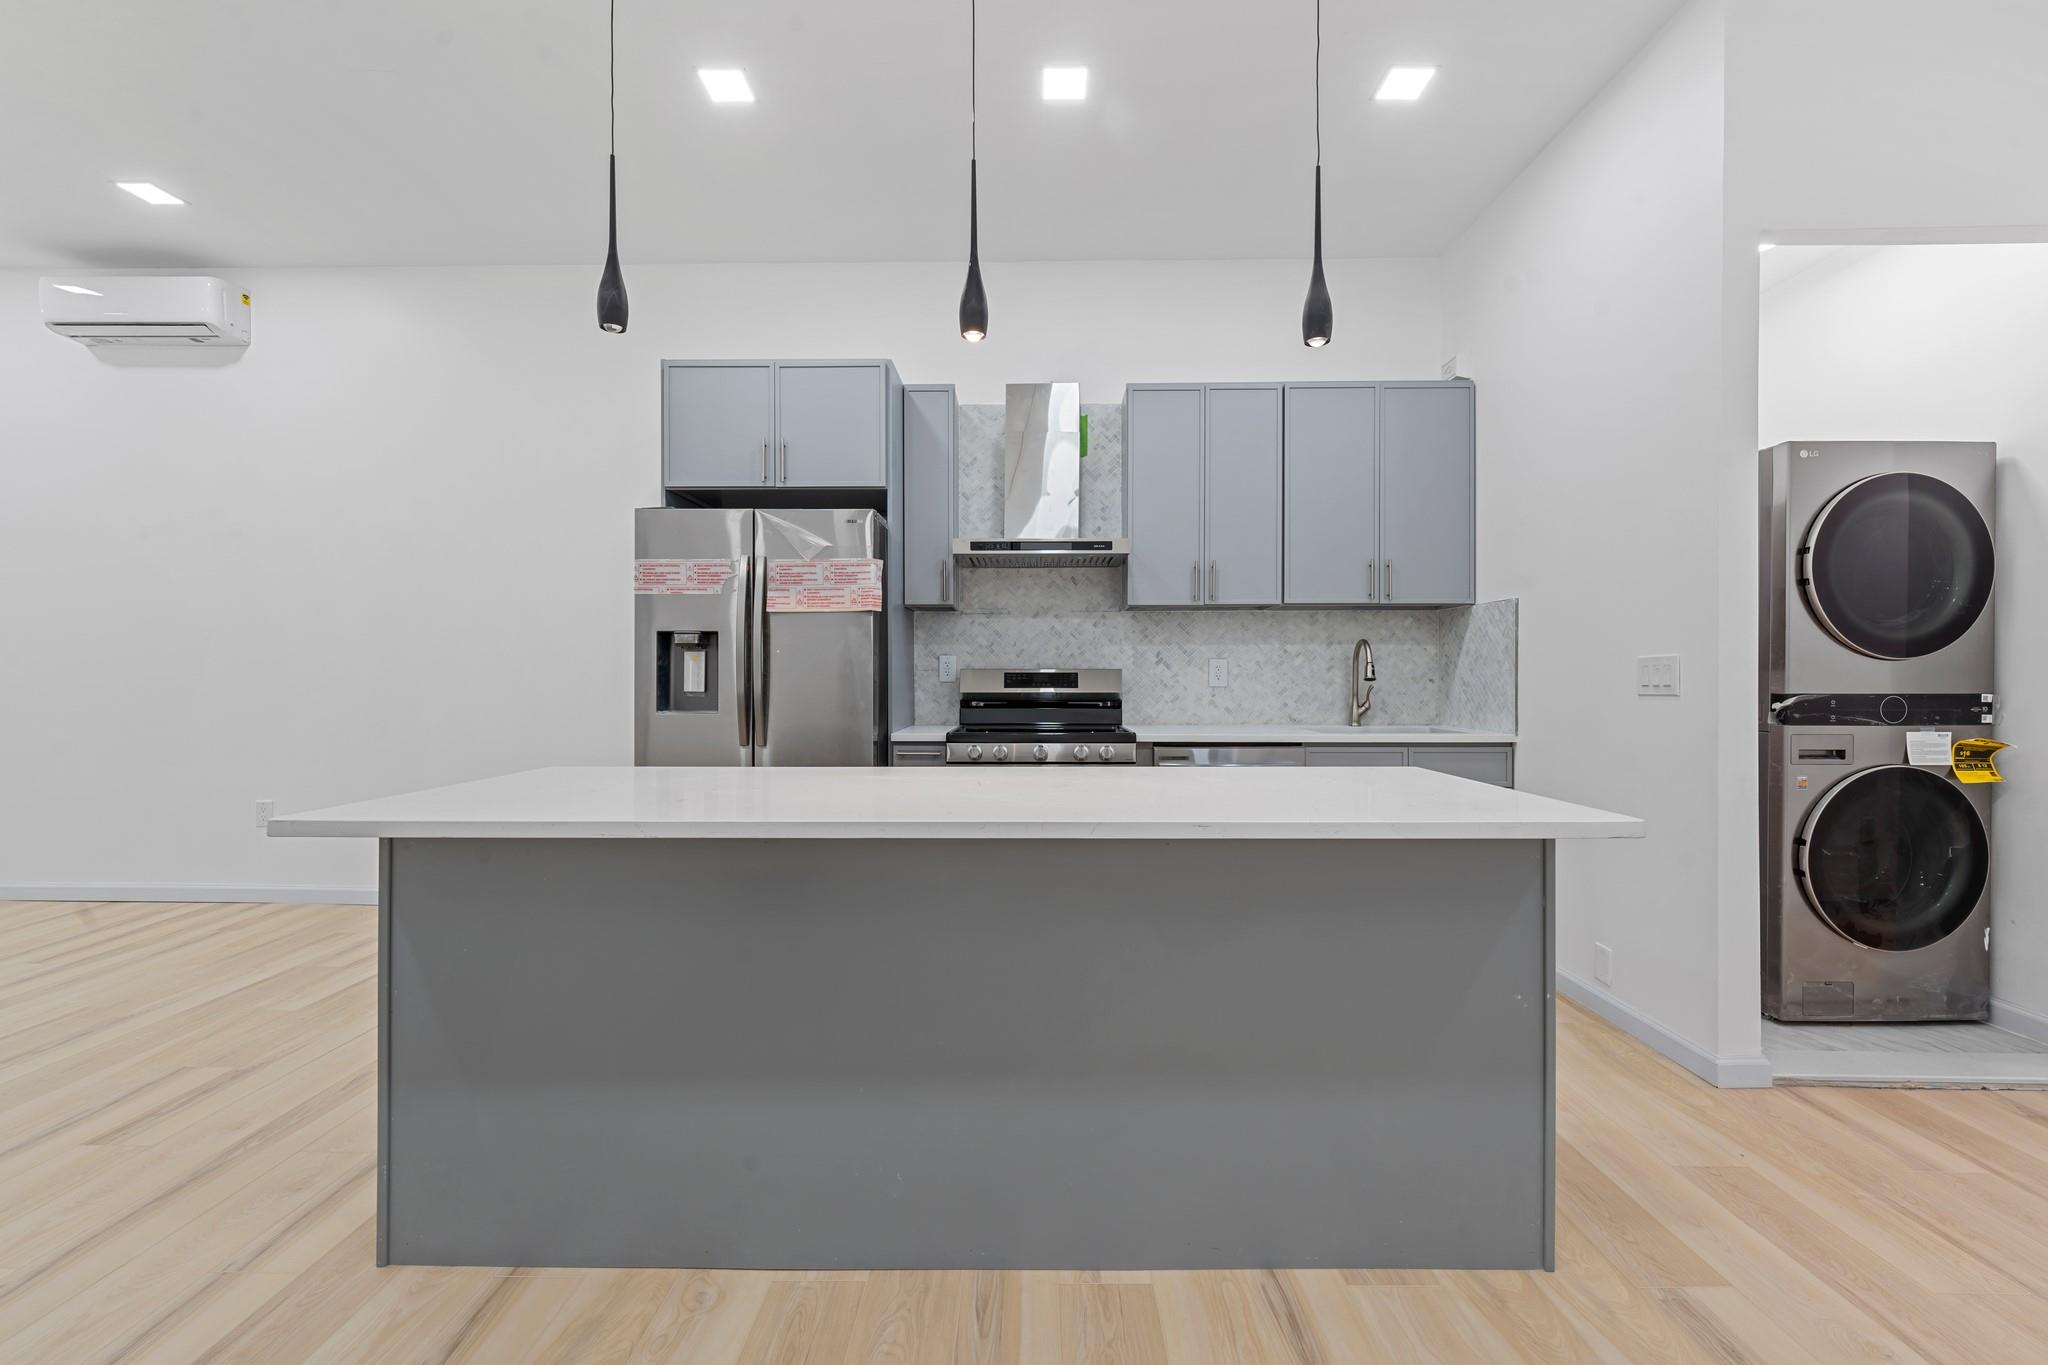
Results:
x,y
1657,675
949,668
1219,672
264,810
1603,964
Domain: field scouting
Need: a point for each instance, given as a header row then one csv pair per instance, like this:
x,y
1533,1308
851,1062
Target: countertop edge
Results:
x,y
1435,831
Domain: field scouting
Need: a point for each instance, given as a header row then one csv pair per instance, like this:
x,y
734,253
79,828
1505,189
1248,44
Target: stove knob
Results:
x,y
974,753
1002,753
1039,754
1080,753
1105,753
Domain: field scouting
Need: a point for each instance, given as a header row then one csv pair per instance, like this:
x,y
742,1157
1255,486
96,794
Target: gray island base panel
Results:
x,y
963,1052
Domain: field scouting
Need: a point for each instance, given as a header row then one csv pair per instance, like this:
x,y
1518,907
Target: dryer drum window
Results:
x,y
1897,566
1893,858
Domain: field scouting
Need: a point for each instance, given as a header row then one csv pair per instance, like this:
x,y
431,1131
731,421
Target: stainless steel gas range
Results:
x,y
1041,715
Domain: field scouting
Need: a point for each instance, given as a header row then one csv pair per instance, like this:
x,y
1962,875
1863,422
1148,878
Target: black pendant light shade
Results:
x,y
1315,311
973,298
611,286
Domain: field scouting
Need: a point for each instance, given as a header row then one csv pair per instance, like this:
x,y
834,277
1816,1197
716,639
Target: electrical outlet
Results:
x,y
949,668
1219,672
1657,675
264,810
1603,964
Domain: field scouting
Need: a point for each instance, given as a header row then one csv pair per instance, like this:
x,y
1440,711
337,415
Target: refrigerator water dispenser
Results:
x,y
686,670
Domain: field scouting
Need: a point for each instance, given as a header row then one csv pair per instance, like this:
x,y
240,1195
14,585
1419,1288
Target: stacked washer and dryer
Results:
x,y
1876,656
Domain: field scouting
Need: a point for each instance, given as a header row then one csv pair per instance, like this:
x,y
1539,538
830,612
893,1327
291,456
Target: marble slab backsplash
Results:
x,y
1454,666
978,444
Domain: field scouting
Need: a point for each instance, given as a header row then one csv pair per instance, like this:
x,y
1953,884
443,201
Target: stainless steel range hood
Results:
x,y
1042,488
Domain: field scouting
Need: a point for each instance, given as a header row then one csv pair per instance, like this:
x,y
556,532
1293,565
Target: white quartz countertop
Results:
x,y
1265,734
1054,802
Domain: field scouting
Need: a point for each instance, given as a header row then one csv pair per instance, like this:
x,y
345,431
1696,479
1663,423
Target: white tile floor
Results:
x,y
1964,1055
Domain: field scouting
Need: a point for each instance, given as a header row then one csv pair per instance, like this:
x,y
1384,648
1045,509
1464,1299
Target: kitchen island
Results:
x,y
878,1017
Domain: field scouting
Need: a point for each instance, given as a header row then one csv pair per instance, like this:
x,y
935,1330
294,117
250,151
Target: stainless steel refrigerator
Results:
x,y
759,637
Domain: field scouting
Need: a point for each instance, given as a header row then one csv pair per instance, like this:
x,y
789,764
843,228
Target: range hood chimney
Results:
x,y
1042,488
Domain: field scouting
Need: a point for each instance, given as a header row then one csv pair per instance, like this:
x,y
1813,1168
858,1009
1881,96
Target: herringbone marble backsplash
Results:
x,y
1455,666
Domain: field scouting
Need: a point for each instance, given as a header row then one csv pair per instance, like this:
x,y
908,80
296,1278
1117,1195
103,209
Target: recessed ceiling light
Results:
x,y
148,193
80,289
1762,247
726,85
1405,83
1064,83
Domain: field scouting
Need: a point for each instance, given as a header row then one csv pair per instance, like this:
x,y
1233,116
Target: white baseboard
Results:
x,y
2013,1019
145,891
1729,1073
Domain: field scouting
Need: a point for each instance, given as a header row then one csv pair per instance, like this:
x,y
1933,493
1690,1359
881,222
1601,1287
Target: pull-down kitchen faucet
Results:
x,y
1362,673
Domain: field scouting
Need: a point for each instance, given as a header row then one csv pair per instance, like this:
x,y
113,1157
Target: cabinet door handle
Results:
x,y
1195,581
946,580
766,467
1212,580
1387,577
782,465
1372,580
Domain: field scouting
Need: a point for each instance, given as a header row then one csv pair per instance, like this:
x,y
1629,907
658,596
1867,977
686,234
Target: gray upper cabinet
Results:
x,y
1241,495
1163,494
930,497
776,423
1426,494
832,428
1332,494
718,424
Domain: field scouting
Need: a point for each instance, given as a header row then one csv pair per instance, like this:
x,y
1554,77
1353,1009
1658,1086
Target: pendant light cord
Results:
x,y
974,77
1319,82
612,43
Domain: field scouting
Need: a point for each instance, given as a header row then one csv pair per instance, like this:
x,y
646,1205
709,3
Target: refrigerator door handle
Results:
x,y
758,656
743,593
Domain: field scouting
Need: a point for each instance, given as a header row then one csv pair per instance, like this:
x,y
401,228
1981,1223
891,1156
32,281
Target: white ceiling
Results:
x,y
472,131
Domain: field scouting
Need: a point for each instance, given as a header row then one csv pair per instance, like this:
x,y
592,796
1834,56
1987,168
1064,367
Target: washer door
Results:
x,y
1897,566
1893,858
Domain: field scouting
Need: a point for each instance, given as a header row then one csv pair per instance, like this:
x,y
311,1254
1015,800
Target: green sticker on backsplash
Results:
x,y
1084,435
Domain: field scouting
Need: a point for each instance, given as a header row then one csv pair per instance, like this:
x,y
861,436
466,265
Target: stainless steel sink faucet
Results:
x,y
1362,674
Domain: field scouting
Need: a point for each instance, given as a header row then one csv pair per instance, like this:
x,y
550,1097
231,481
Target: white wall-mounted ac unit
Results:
x,y
146,310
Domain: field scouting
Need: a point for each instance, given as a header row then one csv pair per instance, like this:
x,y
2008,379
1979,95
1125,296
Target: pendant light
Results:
x,y
611,287
1315,310
973,298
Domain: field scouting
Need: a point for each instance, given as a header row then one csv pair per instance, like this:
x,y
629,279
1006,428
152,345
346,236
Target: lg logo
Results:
x,y
1809,454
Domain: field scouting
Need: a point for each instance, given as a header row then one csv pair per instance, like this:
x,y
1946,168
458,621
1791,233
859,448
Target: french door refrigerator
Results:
x,y
759,637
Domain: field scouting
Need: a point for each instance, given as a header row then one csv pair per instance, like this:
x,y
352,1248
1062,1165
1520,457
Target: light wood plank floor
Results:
x,y
186,1136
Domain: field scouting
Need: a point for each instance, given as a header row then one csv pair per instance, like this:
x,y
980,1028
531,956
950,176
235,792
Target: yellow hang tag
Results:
x,y
1973,762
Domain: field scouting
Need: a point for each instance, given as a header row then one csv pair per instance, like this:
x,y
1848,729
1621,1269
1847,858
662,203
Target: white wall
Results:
x,y
1872,121
1588,299
1948,343
386,547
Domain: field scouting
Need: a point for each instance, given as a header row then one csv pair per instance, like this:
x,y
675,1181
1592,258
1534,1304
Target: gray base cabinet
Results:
x,y
1480,762
931,500
932,754
729,424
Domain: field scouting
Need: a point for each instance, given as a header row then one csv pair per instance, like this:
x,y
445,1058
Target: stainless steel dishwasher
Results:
x,y
1229,756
